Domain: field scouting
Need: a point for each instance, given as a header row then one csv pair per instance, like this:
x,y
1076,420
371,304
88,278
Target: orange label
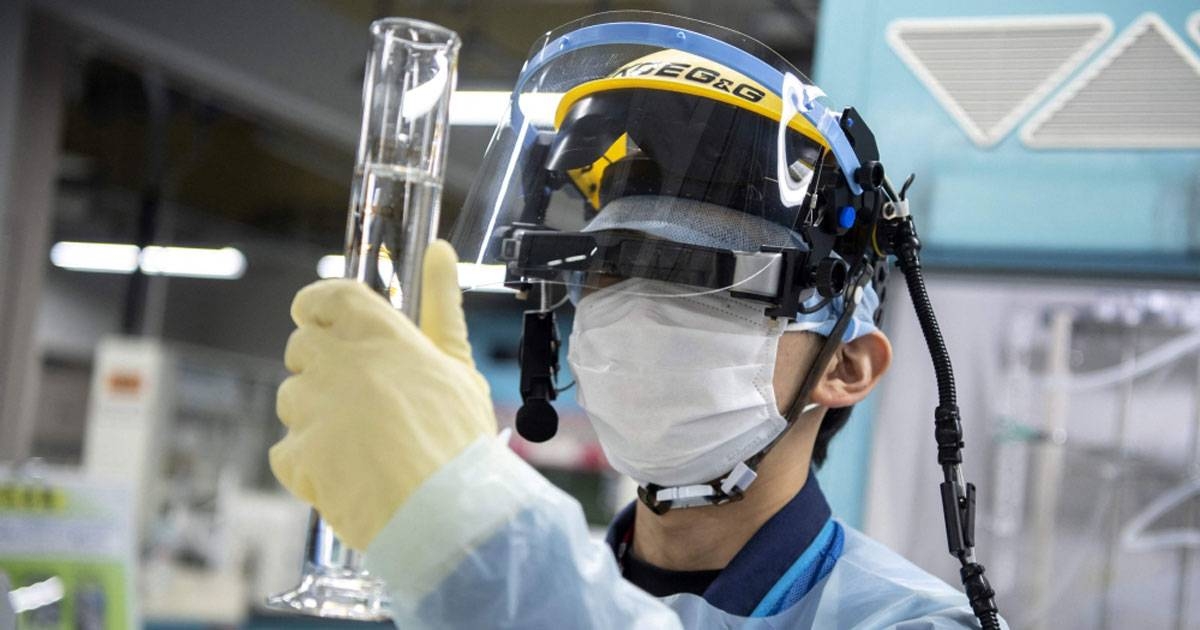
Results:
x,y
125,383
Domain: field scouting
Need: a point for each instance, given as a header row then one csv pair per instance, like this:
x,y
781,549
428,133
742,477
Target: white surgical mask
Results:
x,y
678,389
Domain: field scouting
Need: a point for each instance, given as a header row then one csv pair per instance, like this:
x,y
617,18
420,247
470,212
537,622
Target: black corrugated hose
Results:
x,y
947,424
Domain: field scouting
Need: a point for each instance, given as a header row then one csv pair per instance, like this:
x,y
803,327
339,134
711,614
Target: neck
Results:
x,y
705,538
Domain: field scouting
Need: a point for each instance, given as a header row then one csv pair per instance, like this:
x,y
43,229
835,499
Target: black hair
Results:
x,y
833,422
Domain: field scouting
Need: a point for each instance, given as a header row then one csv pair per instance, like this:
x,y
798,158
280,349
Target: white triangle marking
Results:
x,y
1109,102
1040,63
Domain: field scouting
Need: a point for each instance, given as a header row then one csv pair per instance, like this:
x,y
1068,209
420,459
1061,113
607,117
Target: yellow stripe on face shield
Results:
x,y
768,106
681,73
685,73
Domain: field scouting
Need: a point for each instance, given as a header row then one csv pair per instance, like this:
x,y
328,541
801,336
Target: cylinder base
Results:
x,y
335,594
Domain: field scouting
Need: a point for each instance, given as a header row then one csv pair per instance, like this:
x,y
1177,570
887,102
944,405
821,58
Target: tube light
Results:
x,y
486,108
189,262
100,257
471,276
193,262
332,266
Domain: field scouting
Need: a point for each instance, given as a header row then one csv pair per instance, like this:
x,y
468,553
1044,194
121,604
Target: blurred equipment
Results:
x,y
394,206
66,551
1097,458
1089,393
185,427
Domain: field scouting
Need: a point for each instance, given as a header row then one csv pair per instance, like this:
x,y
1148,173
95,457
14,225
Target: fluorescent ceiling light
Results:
x,y
102,257
477,108
487,108
193,262
333,266
189,262
471,276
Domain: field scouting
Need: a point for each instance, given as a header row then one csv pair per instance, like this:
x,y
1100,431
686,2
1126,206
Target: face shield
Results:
x,y
651,156
641,145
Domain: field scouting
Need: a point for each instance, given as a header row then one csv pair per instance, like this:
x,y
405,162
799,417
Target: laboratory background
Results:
x,y
172,172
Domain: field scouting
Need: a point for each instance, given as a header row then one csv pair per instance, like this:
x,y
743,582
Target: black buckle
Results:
x,y
958,510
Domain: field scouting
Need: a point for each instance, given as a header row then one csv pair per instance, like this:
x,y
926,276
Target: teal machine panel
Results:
x,y
1056,136
1060,135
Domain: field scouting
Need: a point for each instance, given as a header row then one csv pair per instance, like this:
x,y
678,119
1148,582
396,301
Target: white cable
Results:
x,y
1134,536
1140,365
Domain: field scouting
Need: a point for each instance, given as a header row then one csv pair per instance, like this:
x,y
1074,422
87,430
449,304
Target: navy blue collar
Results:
x,y
764,559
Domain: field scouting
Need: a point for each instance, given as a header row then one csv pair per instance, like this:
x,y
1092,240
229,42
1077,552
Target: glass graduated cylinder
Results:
x,y
390,224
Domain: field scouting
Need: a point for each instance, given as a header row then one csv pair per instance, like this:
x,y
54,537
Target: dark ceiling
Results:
x,y
223,175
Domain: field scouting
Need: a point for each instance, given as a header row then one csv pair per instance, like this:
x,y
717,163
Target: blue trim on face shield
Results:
x,y
674,37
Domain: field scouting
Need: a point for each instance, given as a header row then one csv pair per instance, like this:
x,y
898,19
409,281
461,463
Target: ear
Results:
x,y
853,371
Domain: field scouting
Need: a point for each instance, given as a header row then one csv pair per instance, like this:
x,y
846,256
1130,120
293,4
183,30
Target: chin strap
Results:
x,y
725,489
732,486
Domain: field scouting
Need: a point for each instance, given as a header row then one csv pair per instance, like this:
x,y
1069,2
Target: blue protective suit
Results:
x,y
487,542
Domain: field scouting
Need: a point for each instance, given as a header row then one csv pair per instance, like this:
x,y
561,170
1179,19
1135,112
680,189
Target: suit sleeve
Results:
x,y
488,542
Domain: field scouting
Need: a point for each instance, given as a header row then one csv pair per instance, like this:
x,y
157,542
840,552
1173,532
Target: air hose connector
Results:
x,y
980,595
948,431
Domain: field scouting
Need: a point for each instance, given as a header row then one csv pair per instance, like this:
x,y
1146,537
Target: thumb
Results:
x,y
442,318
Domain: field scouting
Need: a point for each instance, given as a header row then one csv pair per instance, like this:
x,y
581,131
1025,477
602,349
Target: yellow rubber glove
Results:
x,y
376,405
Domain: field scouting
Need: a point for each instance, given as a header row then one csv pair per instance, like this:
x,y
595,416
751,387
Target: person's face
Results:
x,y
797,350
852,372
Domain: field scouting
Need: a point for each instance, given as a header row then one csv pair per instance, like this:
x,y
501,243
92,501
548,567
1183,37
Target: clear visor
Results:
x,y
645,145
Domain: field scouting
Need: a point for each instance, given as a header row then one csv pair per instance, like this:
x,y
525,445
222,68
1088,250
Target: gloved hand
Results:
x,y
376,405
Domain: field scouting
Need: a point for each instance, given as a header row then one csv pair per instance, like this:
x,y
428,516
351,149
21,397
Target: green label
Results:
x,y
93,594
31,498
